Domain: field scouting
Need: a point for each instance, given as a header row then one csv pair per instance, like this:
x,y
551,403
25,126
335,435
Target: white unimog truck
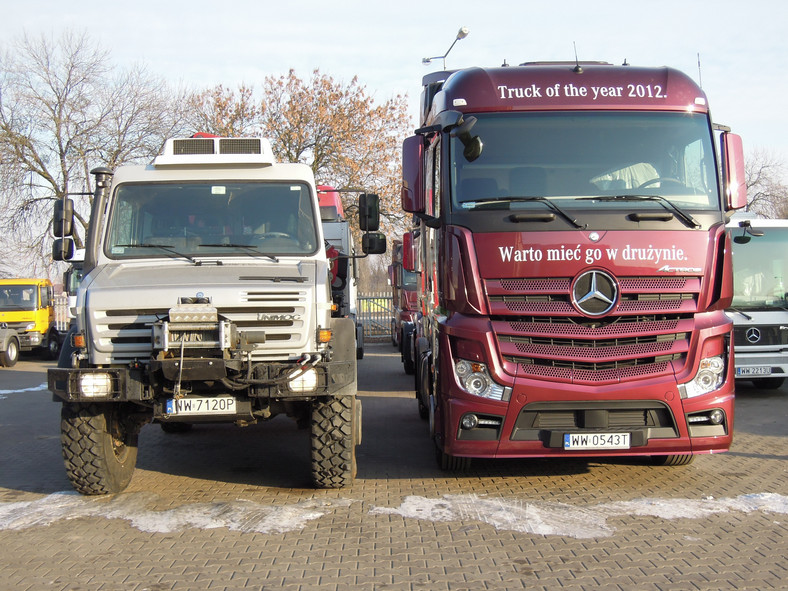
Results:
x,y
206,298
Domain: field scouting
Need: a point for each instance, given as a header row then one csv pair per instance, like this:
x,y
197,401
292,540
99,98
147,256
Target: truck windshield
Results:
x,y
409,280
569,157
760,268
171,220
18,297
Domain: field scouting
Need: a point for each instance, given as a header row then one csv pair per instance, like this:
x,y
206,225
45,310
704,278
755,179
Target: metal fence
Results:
x,y
374,311
62,315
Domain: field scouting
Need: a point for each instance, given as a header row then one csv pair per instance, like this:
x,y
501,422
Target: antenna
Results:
x,y
578,68
700,76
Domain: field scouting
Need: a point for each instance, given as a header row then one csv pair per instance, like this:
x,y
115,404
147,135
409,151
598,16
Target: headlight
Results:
x,y
303,381
30,326
710,376
95,385
474,378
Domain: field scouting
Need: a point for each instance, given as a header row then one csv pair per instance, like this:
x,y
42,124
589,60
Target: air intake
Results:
x,y
215,152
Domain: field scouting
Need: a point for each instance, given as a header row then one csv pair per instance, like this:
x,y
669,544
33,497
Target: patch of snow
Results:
x,y
238,515
40,388
561,519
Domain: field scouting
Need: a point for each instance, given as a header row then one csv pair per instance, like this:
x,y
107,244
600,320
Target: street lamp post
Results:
x,y
461,34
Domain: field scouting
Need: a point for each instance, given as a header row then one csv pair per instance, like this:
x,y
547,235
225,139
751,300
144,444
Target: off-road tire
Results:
x,y
10,356
99,447
673,460
333,439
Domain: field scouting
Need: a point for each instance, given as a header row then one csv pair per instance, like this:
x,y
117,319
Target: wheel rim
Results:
x,y
118,434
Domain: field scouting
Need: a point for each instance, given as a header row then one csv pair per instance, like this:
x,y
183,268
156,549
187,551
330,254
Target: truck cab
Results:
x,y
27,307
759,309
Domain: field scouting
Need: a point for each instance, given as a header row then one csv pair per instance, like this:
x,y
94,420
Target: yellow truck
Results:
x,y
27,308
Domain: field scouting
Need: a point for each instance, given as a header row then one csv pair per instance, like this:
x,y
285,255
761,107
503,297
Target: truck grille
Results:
x,y
766,335
541,334
123,335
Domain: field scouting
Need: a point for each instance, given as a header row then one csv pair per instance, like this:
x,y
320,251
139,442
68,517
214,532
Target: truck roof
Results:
x,y
25,281
196,173
561,86
205,157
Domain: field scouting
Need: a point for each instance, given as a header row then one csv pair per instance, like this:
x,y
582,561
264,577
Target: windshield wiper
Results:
x,y
666,203
248,247
165,247
529,199
747,316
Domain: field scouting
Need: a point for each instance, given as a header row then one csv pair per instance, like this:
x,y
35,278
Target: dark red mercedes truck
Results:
x,y
569,234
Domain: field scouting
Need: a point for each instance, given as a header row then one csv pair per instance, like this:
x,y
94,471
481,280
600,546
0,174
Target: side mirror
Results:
x,y
63,249
473,145
413,200
63,220
408,252
369,212
734,175
373,243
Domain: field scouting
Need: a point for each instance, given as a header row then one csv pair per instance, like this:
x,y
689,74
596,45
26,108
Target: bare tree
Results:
x,y
338,129
64,111
766,191
220,111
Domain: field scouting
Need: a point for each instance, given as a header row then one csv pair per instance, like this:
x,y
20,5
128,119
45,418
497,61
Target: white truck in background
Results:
x,y
760,310
206,297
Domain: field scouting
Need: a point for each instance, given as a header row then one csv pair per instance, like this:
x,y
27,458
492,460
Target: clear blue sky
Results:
x,y
742,45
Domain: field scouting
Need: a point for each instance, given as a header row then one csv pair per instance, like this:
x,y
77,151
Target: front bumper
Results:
x,y
268,381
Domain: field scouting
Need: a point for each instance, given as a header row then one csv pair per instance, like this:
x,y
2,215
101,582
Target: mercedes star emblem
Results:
x,y
753,335
594,293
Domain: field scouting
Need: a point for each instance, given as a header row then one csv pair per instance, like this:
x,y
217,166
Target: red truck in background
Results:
x,y
404,295
569,233
342,257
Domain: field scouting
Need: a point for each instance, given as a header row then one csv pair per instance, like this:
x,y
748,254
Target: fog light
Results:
x,y
95,385
717,416
303,381
469,421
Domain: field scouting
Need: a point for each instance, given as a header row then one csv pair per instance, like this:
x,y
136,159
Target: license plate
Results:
x,y
754,371
221,405
596,441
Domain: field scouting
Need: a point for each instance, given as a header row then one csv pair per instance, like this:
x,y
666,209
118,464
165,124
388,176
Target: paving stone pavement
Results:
x,y
223,507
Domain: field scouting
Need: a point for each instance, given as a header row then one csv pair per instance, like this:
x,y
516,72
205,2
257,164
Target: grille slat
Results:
x,y
541,334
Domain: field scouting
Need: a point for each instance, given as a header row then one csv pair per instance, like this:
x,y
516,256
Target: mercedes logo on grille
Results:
x,y
594,293
753,335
